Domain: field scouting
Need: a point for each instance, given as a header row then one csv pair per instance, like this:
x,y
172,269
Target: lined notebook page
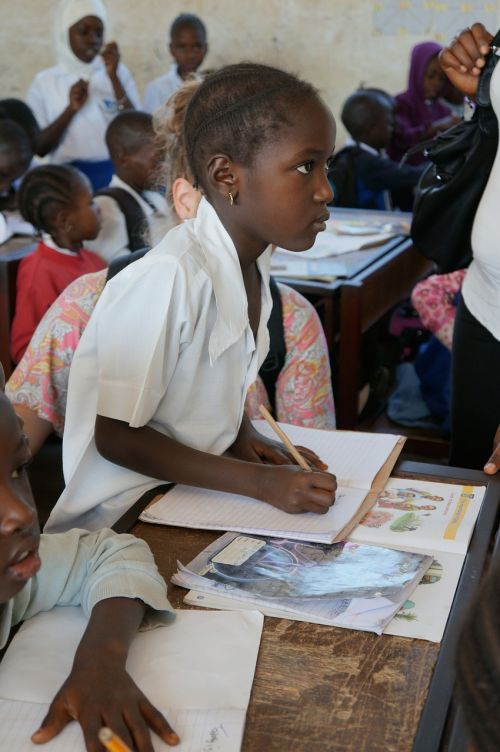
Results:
x,y
197,670
354,457
200,730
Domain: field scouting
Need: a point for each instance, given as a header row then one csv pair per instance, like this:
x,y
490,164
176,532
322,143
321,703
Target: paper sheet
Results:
x,y
198,670
354,457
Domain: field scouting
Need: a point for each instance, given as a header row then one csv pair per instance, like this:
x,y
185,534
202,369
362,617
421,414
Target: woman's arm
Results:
x,y
111,57
151,453
99,691
49,138
463,59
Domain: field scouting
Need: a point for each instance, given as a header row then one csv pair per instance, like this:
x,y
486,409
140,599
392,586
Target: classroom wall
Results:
x,y
336,44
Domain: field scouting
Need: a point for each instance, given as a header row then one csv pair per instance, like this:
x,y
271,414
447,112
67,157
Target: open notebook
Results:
x,y
198,671
362,463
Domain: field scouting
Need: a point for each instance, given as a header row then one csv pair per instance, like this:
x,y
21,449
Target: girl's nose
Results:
x,y
15,515
324,192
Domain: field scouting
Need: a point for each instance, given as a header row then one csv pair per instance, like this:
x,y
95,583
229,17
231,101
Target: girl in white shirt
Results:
x,y
158,383
75,100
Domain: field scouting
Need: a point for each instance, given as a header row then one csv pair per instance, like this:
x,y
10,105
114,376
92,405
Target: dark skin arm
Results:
x,y
244,470
111,56
463,59
493,464
99,691
48,138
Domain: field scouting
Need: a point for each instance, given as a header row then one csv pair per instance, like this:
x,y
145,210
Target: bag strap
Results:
x,y
271,367
135,219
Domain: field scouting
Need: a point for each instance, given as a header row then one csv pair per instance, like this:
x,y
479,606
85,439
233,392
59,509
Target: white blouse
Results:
x,y
169,345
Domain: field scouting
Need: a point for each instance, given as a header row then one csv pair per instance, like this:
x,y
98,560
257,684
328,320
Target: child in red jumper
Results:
x,y
57,200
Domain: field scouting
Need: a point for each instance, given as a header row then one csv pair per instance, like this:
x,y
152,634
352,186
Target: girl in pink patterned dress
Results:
x,y
38,386
434,301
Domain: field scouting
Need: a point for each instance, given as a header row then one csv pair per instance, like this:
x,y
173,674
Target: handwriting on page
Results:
x,y
199,730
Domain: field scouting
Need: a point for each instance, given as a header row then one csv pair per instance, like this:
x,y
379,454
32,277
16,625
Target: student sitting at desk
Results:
x,y
75,100
301,392
133,213
362,174
16,153
165,402
112,577
188,46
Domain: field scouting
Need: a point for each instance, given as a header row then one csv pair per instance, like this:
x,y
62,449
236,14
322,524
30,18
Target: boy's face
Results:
x,y
381,132
188,48
13,164
141,166
19,529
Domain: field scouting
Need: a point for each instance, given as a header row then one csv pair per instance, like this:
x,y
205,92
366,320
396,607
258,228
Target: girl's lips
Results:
x,y
27,567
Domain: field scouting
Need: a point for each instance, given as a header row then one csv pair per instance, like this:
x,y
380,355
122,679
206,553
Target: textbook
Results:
x,y
362,463
342,584
198,670
444,532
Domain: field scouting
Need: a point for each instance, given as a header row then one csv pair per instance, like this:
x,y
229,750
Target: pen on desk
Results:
x,y
284,438
111,741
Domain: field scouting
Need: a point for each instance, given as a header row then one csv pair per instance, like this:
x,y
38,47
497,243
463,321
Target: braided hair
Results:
x,y
236,110
44,191
478,665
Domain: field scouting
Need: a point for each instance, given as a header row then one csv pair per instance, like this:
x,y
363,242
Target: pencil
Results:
x,y
111,741
284,438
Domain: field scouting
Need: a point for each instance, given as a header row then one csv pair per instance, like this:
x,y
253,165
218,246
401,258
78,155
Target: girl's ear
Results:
x,y
222,176
185,198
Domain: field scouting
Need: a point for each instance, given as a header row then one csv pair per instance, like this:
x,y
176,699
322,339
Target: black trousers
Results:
x,y
475,391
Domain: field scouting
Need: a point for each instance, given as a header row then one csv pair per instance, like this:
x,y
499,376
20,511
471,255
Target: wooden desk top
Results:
x,y
320,688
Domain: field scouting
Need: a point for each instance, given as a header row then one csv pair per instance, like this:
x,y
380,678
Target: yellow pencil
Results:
x,y
284,438
111,741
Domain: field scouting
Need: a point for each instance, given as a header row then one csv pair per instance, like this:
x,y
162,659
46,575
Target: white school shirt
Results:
x,y
160,89
84,138
481,287
113,239
169,345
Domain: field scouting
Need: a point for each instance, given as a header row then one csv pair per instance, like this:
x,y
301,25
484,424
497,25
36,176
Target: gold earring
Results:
x,y
231,198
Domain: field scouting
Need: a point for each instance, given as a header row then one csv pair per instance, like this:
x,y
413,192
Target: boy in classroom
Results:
x,y
165,402
188,46
112,577
301,388
363,165
133,213
76,99
16,154
57,201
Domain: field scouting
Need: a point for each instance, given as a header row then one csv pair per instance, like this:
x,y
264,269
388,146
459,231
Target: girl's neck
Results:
x,y
61,243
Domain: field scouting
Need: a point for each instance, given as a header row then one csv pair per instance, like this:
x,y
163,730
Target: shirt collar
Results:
x,y
158,202
47,240
224,268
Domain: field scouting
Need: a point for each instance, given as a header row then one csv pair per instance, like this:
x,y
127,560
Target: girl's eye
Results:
x,y
20,471
329,164
305,168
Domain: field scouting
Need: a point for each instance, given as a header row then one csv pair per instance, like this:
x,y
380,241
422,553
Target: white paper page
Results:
x,y
329,243
425,613
200,730
204,665
324,270
422,516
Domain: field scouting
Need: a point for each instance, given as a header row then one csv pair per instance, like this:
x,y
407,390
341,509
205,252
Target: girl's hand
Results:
x,y
78,95
464,58
294,490
493,464
111,56
252,446
105,696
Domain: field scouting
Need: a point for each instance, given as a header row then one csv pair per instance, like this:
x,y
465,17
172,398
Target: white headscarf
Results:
x,y
67,14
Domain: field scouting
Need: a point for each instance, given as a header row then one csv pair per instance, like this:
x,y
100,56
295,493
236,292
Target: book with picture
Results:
x,y
362,463
342,584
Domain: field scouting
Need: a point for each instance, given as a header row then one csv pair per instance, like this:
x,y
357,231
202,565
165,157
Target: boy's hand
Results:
x,y
78,95
493,464
294,490
111,56
105,696
252,446
464,58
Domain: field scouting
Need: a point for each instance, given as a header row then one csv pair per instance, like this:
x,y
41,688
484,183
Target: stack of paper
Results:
x,y
198,671
362,463
344,584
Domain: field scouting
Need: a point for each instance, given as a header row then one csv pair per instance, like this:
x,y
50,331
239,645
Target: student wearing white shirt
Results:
x,y
158,383
133,214
188,46
75,100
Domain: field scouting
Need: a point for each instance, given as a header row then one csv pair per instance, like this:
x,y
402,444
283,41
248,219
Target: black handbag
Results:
x,y
451,187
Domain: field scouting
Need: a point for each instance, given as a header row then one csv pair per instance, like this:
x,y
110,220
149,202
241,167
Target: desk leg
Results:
x,y
348,368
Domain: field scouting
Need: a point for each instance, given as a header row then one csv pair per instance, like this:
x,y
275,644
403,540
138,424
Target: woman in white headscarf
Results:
x,y
75,100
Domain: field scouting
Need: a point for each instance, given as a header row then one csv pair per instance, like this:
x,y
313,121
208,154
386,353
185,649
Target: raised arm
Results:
x,y
463,59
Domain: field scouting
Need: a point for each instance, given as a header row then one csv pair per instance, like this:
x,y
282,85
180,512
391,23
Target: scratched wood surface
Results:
x,y
318,688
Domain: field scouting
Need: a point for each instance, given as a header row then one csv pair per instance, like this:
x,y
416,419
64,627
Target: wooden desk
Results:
x,y
376,281
321,689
